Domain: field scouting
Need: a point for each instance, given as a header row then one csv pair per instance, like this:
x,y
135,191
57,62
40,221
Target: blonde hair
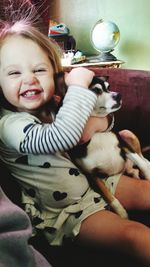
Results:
x,y
26,30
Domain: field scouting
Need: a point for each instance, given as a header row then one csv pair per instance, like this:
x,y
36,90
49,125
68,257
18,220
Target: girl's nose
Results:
x,y
29,79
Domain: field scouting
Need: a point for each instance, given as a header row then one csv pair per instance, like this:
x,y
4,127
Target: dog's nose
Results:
x,y
117,96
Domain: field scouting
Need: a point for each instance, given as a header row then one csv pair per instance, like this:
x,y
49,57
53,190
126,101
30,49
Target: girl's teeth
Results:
x,y
31,93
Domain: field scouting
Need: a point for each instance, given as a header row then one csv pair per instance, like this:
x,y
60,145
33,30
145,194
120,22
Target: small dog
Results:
x,y
102,156
108,153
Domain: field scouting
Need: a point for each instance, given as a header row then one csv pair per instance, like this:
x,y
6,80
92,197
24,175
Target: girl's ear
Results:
x,y
57,99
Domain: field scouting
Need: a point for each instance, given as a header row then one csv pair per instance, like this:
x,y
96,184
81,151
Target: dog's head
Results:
x,y
107,101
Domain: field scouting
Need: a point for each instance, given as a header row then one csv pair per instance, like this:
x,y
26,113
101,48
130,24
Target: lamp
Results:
x,y
105,36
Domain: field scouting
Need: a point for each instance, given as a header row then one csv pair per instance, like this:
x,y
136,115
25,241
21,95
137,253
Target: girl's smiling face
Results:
x,y
26,74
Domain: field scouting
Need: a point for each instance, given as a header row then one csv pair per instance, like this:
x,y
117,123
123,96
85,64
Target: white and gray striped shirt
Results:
x,y
28,135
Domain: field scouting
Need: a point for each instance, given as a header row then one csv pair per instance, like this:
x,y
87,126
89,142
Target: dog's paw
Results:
x,y
134,173
130,169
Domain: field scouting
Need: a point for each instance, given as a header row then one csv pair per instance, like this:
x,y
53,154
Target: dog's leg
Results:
x,y
110,199
142,163
134,153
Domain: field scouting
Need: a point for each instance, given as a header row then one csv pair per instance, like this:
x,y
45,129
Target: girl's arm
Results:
x,y
27,134
66,130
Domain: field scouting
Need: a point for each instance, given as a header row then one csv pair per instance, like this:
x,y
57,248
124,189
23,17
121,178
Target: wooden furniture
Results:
x,y
97,65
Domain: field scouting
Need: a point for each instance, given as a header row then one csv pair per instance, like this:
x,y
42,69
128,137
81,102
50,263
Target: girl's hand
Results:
x,y
79,76
94,124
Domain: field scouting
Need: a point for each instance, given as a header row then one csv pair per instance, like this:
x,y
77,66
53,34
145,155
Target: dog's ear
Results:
x,y
103,78
99,79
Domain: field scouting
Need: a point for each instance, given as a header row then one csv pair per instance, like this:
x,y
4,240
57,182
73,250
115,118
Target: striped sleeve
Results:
x,y
66,130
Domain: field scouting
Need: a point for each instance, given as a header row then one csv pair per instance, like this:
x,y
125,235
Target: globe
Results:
x,y
105,36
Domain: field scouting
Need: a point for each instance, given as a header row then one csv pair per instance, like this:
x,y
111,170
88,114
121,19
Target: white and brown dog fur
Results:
x,y
108,153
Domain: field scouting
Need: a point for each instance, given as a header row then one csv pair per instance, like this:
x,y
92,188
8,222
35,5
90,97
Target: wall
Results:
x,y
131,16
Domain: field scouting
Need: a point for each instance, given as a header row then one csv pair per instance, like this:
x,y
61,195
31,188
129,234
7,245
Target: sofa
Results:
x,y
134,86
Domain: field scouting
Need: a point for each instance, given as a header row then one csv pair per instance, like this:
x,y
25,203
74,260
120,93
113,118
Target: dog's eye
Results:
x,y
97,89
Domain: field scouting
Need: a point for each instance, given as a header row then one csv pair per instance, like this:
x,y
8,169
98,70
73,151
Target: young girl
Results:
x,y
33,145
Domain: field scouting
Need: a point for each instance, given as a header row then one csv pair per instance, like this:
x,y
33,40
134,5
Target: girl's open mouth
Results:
x,y
31,93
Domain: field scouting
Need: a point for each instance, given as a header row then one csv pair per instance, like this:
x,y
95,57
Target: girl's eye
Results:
x,y
13,73
40,70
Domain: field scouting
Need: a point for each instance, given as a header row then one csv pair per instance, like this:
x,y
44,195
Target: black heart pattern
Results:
x,y
59,195
78,214
74,171
96,199
45,165
22,160
37,221
31,192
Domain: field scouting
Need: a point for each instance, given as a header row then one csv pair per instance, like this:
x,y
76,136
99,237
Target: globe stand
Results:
x,y
106,56
103,57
